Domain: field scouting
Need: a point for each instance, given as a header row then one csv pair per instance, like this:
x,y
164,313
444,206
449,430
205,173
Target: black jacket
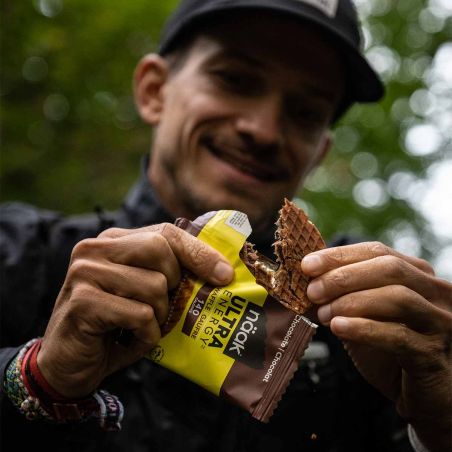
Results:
x,y
328,406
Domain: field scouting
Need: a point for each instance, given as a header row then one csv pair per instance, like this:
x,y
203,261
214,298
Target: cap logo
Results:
x,y
328,7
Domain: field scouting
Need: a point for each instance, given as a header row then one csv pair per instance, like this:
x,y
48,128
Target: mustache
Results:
x,y
244,145
265,158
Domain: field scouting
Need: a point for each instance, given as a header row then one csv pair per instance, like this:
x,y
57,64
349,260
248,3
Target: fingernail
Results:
x,y
315,291
311,262
340,324
324,313
223,272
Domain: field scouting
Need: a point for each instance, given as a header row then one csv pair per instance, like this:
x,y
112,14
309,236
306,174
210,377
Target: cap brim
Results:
x,y
363,85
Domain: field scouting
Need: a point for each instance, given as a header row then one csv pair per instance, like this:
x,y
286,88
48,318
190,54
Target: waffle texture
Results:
x,y
296,236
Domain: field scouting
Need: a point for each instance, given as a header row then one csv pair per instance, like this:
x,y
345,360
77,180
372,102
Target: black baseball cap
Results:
x,y
337,18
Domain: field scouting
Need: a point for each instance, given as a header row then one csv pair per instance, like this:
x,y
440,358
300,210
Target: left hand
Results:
x,y
395,319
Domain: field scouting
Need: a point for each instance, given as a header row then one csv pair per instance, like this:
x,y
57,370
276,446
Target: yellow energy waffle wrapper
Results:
x,y
235,341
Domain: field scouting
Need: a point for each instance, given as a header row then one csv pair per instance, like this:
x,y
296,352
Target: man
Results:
x,y
241,96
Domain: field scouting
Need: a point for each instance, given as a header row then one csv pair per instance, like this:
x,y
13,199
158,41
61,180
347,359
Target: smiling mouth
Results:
x,y
248,165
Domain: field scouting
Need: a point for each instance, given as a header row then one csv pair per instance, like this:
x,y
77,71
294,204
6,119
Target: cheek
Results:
x,y
205,107
187,116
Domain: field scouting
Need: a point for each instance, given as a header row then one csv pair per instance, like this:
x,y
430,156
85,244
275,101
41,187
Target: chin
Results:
x,y
261,210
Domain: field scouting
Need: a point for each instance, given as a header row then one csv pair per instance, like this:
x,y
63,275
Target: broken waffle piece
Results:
x,y
296,236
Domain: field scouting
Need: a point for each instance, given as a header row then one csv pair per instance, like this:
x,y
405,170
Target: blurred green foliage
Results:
x,y
71,138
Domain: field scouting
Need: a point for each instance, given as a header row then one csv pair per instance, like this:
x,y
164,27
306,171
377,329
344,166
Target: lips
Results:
x,y
245,161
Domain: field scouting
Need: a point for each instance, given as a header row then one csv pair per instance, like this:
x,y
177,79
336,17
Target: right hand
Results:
x,y
120,279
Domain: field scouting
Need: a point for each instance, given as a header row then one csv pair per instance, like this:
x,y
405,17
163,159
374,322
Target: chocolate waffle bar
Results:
x,y
296,236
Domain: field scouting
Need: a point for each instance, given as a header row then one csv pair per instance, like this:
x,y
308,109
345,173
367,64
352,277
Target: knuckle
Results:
x,y
83,291
81,269
339,278
368,330
426,267
145,314
399,292
111,233
81,301
163,285
169,230
394,266
336,254
84,247
435,353
159,243
200,255
402,341
377,249
353,303
159,284
158,239
161,249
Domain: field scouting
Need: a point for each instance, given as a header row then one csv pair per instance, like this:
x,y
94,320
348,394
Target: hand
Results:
x,y
395,319
120,279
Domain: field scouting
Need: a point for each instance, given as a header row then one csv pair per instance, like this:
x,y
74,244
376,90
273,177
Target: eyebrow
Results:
x,y
249,60
239,57
319,92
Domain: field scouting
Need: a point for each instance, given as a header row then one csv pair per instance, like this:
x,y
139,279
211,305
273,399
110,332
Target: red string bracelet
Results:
x,y
105,407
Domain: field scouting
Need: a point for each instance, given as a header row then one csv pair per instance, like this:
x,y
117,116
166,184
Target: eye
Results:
x,y
237,82
306,112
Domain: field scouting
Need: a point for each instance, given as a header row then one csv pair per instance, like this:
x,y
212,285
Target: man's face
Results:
x,y
245,118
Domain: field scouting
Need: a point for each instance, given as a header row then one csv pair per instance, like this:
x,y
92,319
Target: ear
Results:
x,y
150,76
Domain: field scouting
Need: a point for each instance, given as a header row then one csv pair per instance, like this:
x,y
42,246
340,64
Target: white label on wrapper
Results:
x,y
239,222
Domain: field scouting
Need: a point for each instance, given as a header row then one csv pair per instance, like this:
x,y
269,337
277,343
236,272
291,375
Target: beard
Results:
x,y
194,202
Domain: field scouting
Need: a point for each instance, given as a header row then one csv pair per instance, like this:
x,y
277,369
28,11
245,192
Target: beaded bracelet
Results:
x,y
16,390
36,400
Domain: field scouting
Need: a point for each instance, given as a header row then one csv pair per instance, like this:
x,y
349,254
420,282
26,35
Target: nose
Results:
x,y
260,119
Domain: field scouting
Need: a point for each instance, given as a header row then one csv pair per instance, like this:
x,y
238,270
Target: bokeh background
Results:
x,y
72,140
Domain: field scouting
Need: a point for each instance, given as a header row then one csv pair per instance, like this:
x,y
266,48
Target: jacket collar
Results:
x,y
143,207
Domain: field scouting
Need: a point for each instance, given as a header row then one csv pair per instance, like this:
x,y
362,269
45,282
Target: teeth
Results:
x,y
247,170
244,168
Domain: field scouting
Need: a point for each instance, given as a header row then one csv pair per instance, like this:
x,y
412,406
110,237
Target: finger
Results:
x,y
162,251
147,250
197,256
95,312
319,262
146,286
378,272
413,350
391,303
115,233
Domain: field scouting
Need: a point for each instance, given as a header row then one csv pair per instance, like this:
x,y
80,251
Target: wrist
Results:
x,y
63,385
58,406
36,399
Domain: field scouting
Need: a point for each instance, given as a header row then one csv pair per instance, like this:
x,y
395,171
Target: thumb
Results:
x,y
198,257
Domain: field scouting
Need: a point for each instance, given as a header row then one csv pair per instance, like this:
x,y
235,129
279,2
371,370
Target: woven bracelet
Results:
x,y
16,390
27,389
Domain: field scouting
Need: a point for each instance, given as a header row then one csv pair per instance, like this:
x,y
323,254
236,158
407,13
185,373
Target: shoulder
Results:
x,y
19,214
22,224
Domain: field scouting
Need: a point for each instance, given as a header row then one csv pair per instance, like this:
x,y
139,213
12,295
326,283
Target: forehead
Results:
x,y
273,42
